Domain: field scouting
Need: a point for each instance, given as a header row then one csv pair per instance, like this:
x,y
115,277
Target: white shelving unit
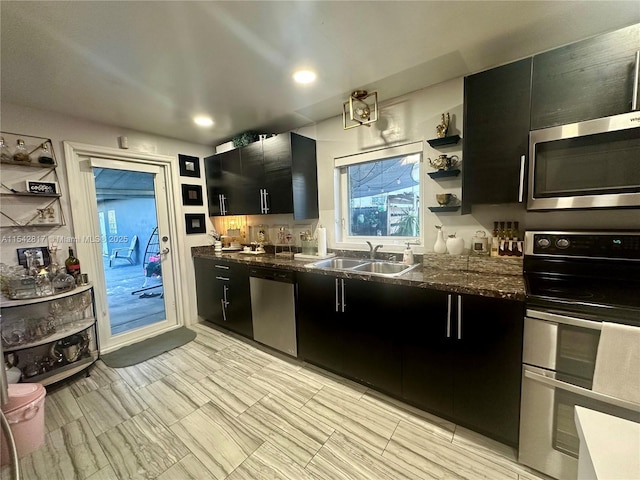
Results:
x,y
50,338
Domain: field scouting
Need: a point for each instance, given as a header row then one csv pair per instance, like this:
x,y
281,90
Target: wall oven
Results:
x,y
591,164
575,281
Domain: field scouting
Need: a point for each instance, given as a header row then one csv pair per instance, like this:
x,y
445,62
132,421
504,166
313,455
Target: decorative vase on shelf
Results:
x,y
455,245
440,246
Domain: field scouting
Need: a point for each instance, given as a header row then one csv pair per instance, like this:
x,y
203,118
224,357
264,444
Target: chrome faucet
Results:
x,y
372,250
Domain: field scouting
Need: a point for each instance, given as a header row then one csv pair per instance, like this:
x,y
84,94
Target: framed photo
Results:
x,y
41,186
42,256
191,195
195,223
189,166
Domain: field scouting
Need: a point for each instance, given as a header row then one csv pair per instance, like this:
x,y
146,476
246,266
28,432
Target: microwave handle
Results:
x,y
521,185
552,382
636,74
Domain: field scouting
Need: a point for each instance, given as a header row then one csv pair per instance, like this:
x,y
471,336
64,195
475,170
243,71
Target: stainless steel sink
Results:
x,y
371,267
339,263
384,268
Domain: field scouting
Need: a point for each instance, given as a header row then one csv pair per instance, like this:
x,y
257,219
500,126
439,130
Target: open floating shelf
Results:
x,y
445,209
440,142
444,173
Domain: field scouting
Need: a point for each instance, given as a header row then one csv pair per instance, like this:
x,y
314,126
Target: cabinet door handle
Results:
x,y
521,185
225,289
224,310
266,204
220,204
344,303
222,278
449,316
337,298
224,267
459,317
636,70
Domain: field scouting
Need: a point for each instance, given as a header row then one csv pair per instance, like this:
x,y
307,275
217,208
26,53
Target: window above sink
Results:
x,y
380,196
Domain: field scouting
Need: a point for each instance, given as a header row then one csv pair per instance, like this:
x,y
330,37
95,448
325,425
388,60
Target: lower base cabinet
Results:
x,y
346,326
461,359
223,296
457,356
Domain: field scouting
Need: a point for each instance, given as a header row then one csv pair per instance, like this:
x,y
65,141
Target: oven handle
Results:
x,y
552,382
552,317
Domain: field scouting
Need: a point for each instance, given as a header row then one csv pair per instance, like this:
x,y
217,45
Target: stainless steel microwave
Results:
x,y
590,164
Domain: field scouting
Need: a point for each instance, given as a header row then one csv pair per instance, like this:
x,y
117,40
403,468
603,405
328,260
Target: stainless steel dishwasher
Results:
x,y
273,307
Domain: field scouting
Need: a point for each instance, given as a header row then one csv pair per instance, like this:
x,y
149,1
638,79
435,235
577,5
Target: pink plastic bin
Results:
x,y
25,413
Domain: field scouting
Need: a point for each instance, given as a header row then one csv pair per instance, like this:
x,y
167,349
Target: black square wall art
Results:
x,y
195,223
191,195
189,166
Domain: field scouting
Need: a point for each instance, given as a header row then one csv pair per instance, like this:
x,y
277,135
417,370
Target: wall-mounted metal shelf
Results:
x,y
25,209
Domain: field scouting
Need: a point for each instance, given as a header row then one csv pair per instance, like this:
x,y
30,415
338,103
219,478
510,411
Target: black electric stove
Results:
x,y
594,275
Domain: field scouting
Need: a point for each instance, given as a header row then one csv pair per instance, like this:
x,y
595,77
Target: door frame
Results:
x,y
85,222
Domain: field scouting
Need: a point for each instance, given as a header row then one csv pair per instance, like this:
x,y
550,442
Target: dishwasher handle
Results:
x,y
273,274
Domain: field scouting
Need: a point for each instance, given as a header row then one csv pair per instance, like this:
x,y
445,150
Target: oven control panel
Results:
x,y
613,245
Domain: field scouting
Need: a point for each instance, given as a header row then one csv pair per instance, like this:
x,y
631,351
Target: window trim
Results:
x,y
341,165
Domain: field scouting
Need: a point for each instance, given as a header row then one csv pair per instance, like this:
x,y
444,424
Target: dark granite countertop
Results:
x,y
461,274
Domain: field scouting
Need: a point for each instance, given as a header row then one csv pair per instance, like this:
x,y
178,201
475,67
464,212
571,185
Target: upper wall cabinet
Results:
x,y
589,79
496,134
274,175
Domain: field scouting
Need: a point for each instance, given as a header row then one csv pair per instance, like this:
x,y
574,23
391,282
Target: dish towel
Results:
x,y
617,370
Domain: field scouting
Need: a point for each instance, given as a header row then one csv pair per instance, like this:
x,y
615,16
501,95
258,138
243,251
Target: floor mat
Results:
x,y
151,347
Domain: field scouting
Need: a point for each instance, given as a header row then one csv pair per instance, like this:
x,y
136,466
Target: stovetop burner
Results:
x,y
594,274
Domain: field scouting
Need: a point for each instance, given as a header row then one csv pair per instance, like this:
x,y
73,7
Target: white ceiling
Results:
x,y
152,66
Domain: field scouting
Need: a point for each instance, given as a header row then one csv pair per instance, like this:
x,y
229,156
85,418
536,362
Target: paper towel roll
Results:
x,y
322,241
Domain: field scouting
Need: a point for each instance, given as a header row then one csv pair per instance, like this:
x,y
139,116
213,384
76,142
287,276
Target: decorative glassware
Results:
x,y
5,154
44,155
21,154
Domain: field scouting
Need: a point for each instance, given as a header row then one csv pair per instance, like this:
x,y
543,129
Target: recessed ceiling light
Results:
x,y
203,121
304,76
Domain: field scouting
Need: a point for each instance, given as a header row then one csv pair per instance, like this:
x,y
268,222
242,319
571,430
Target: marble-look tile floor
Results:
x,y
221,408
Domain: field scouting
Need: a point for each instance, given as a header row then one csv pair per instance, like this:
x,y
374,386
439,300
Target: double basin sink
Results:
x,y
371,267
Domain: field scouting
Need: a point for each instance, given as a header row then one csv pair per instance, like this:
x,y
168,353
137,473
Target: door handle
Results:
x,y
337,297
521,184
223,279
344,303
164,251
552,382
266,204
636,70
449,315
224,310
224,296
459,317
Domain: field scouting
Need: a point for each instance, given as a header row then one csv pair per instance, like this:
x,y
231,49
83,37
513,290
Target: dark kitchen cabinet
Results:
x,y
584,80
427,369
461,359
223,175
272,176
223,297
496,134
488,357
346,325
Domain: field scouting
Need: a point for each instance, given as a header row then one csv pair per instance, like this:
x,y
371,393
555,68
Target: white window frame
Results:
x,y
395,243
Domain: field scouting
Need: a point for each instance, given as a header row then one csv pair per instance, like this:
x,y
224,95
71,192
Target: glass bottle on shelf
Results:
x,y
5,154
45,156
72,264
20,154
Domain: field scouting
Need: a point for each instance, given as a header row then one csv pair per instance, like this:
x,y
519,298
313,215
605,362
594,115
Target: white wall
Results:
x,y
29,121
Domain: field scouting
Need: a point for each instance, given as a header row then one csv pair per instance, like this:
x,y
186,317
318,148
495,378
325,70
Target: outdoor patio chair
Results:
x,y
125,253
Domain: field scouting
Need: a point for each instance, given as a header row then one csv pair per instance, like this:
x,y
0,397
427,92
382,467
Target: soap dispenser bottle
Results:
x,y
407,256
